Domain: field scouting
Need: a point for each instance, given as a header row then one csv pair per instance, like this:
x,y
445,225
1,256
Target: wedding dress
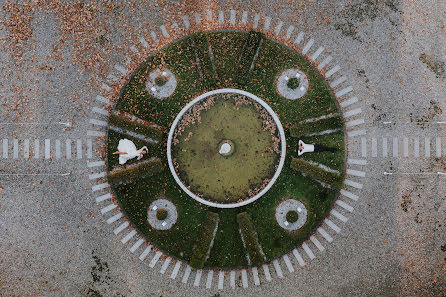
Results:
x,y
128,147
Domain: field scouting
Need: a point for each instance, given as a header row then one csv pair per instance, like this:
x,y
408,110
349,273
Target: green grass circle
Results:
x,y
292,216
293,83
226,59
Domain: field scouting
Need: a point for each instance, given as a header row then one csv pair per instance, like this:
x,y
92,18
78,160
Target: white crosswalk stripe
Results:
x,y
52,148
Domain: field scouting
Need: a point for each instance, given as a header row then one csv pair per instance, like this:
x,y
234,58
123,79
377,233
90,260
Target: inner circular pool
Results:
x,y
226,148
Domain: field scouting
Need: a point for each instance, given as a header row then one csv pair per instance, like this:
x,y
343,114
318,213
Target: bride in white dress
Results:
x,y
127,150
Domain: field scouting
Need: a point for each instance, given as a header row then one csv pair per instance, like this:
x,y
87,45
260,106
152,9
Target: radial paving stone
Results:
x,y
282,29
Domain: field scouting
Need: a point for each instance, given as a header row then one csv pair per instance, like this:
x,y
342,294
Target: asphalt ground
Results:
x,y
56,55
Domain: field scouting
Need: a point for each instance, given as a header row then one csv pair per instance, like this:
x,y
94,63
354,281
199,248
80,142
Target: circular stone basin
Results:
x,y
226,148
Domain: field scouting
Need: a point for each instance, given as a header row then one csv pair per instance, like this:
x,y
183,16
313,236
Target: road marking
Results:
x,y
266,272
332,225
324,62
356,172
137,245
96,175
353,184
349,102
395,147
405,147
277,268
221,279
155,259
121,69
175,270
232,17
416,147
108,208
339,216
186,274
95,164
102,99
299,38
384,147
209,15
317,243
68,149
244,18
255,275
332,71
374,148
308,251
89,148
307,46
154,36
232,279
79,149
344,91
186,21
26,148
288,264
99,187
317,53
197,19
114,218
15,151
344,205
356,133
299,258
47,149
363,147
353,123
198,278
267,23
357,162
221,17
244,278
325,235
58,153
209,279
164,31
438,147
121,228
145,253
106,87
128,237
36,148
338,81
103,197
165,265
289,31
143,42
349,195
134,49
112,77
278,28
427,147
256,21
352,112
95,133
98,122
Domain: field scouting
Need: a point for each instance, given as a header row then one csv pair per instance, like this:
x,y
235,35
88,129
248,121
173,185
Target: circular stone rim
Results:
x,y
276,174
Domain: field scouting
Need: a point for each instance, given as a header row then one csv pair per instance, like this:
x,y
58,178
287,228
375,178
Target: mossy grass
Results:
x,y
303,129
136,172
124,123
204,240
219,58
249,235
320,174
161,214
292,216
